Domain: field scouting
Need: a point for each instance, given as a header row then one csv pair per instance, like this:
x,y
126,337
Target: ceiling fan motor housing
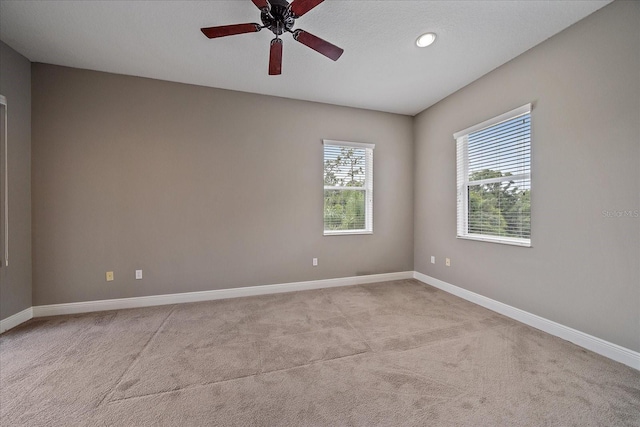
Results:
x,y
278,18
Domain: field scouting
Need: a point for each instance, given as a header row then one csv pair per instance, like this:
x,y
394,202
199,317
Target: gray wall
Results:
x,y
15,85
200,188
583,268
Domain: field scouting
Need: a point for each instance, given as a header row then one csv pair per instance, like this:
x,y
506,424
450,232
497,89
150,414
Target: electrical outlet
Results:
x,y
433,259
109,276
315,262
138,274
447,262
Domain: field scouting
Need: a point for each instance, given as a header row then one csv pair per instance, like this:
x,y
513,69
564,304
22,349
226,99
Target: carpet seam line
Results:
x,y
440,340
364,339
135,360
254,375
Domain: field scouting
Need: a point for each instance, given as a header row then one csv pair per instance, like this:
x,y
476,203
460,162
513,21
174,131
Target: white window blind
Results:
x,y
348,187
494,179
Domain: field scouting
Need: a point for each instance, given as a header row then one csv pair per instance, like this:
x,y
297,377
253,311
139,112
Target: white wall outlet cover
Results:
x,y
433,260
315,262
138,274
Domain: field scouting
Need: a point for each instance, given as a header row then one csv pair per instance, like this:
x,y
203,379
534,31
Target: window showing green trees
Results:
x,y
494,179
344,210
499,208
346,188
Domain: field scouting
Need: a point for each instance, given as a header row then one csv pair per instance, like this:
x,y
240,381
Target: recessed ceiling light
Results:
x,y
426,39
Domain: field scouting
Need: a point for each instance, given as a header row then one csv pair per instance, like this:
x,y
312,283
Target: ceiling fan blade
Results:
x,y
317,44
261,4
275,58
300,7
230,30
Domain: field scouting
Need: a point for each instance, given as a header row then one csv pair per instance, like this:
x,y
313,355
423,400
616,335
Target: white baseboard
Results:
x,y
16,319
135,302
612,351
605,348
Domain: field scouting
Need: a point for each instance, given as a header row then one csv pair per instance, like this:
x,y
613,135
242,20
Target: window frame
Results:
x,y
368,186
4,183
463,183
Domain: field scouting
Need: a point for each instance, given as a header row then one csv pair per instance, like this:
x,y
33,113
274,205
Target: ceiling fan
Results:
x,y
279,17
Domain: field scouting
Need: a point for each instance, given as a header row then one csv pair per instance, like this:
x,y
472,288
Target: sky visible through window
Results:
x,y
344,166
505,147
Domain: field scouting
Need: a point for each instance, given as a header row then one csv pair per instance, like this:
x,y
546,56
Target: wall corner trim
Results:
x,y
16,319
604,348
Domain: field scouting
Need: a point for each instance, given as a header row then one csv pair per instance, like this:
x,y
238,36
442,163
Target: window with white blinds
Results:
x,y
348,187
494,179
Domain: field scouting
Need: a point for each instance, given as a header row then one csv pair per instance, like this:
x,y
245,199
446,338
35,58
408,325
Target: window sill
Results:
x,y
346,232
501,240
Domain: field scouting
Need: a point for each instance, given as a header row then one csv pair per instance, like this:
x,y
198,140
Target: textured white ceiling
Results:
x,y
381,68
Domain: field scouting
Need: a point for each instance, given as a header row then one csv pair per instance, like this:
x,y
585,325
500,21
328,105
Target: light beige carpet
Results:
x,y
393,353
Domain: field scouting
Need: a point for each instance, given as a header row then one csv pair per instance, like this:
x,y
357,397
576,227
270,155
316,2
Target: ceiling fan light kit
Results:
x,y
279,17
